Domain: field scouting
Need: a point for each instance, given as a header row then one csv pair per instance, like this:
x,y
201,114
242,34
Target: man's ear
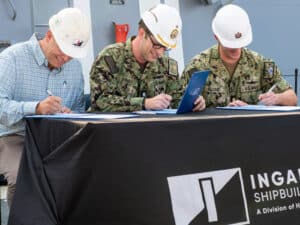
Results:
x,y
141,33
48,35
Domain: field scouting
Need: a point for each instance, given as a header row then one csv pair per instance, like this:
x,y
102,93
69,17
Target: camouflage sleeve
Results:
x,y
197,63
104,85
272,75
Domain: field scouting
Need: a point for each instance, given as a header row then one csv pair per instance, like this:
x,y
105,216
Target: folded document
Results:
x,y
157,112
83,116
262,108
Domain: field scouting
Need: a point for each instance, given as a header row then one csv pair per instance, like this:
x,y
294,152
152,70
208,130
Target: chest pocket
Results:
x,y
250,86
250,90
156,85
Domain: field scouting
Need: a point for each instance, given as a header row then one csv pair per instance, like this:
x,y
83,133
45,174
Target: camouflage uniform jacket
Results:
x,y
253,76
118,83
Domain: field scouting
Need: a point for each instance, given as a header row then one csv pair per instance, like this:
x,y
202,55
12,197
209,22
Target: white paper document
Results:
x,y
83,116
157,112
263,108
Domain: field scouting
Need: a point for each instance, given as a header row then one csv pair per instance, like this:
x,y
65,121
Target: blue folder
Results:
x,y
192,91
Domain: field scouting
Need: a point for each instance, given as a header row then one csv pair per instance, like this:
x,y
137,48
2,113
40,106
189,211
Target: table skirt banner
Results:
x,y
189,172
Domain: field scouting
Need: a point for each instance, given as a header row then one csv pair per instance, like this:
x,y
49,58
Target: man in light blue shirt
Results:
x,y
40,76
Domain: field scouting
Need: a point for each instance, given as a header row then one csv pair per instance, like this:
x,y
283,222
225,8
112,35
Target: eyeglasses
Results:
x,y
157,45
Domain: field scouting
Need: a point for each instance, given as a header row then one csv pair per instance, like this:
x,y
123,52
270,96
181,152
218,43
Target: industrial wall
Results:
x,y
275,25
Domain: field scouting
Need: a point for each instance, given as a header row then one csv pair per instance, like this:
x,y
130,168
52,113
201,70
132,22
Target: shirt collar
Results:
x,y
128,46
37,50
214,53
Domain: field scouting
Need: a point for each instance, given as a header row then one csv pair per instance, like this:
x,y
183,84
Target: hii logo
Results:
x,y
215,197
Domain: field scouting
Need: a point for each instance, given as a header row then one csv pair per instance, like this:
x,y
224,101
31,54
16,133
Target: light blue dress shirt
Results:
x,y
25,79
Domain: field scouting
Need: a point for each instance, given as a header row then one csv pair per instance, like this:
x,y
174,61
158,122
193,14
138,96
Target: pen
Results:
x,y
269,91
49,92
272,88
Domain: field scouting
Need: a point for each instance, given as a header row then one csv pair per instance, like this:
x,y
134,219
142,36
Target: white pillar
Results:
x,y
177,53
86,62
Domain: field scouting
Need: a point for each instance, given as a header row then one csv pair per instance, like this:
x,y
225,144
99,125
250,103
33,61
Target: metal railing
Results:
x,y
293,79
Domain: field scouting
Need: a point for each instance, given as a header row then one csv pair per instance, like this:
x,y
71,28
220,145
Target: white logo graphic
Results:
x,y
195,197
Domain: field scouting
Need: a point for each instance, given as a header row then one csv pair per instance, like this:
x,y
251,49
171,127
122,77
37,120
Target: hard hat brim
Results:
x,y
154,29
72,51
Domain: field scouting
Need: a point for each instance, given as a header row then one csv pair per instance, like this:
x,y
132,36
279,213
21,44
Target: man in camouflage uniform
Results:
x,y
137,75
238,75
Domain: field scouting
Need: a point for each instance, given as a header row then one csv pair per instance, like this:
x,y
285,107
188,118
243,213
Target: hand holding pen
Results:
x,y
161,101
63,109
50,105
268,98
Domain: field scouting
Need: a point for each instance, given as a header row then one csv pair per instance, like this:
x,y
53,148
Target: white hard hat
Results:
x,y
164,23
232,27
71,31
